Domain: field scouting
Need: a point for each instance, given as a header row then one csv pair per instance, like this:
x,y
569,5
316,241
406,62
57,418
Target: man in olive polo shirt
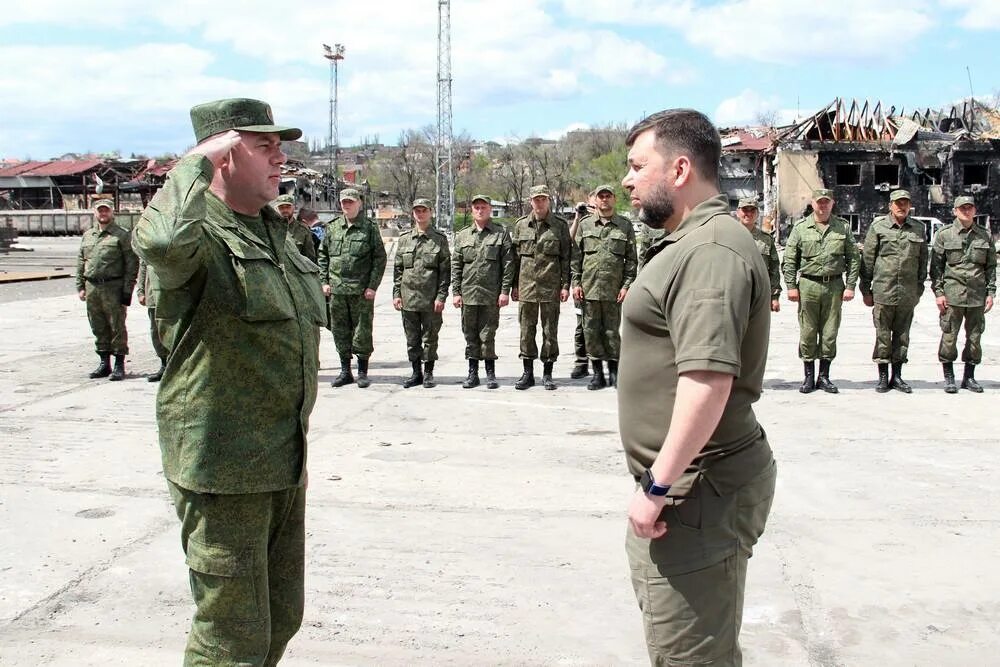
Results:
x,y
694,343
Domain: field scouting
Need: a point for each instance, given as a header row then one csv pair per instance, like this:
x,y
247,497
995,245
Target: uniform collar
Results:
x,y
699,215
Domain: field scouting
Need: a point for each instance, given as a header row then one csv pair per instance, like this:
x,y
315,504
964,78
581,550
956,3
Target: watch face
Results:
x,y
647,480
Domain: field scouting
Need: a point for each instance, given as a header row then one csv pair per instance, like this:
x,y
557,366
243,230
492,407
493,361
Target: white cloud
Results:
x,y
559,134
747,107
977,14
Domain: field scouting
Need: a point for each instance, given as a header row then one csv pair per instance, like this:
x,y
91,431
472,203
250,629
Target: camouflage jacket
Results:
x,y
146,285
813,252
894,262
964,265
351,257
765,243
303,239
107,255
422,270
542,253
239,308
604,257
646,237
483,265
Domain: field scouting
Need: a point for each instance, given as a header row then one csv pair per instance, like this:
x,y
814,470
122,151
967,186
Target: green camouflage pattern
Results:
x,y
820,306
951,321
482,267
645,239
894,262
479,327
302,237
815,252
146,289
962,201
542,253
242,114
604,258
765,243
107,254
601,325
421,328
352,318
106,315
351,256
239,308
422,269
892,333
964,265
527,316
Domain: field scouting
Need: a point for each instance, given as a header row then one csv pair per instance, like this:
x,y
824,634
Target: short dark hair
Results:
x,y
307,214
684,131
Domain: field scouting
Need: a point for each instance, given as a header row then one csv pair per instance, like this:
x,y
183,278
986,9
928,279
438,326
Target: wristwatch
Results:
x,y
649,485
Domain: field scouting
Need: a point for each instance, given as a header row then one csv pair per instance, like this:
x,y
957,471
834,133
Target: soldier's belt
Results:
x,y
101,281
821,279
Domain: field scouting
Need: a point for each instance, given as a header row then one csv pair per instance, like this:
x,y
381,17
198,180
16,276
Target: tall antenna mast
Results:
x,y
445,185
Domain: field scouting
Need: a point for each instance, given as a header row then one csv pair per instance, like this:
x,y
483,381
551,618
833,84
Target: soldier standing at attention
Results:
x,y
240,310
351,263
964,280
893,271
420,279
819,252
747,213
542,252
106,271
146,291
604,266
694,343
482,271
285,205
581,367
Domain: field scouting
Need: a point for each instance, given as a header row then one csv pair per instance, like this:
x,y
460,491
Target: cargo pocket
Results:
x,y
261,285
406,259
223,583
468,254
308,276
619,246
978,251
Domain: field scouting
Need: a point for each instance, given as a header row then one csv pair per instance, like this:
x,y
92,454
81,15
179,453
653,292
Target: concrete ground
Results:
x,y
475,527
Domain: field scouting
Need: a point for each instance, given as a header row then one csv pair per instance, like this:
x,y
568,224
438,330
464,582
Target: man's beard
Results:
x,y
657,208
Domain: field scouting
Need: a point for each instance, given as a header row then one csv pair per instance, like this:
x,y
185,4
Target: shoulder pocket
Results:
x,y
261,285
493,253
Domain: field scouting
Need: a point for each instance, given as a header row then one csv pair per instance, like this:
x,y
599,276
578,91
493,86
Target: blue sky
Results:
x,y
122,77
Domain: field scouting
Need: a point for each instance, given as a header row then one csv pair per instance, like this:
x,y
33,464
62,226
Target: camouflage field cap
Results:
x,y
822,193
104,202
748,202
539,191
604,187
350,194
484,198
237,114
283,199
962,201
426,203
899,194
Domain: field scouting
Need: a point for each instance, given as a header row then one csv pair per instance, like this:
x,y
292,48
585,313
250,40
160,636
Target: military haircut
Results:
x,y
684,132
306,214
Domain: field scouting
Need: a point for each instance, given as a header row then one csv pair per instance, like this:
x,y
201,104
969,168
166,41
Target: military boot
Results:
x,y
579,370
547,381
429,375
969,379
491,374
809,383
416,377
612,372
158,375
883,379
597,381
949,378
473,379
363,381
527,378
897,381
824,378
103,370
345,377
118,374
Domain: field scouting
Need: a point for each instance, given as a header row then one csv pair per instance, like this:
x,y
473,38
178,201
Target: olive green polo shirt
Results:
x,y
964,265
701,303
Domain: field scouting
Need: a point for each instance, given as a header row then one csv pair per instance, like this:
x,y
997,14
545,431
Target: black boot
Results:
x,y
809,383
104,369
527,378
363,381
969,379
547,375
118,374
883,379
824,378
473,379
597,381
949,378
612,372
491,374
429,375
897,381
416,377
345,377
155,377
579,370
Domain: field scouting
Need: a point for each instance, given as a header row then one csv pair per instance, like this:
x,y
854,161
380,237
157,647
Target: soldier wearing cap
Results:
x,y
819,253
421,275
145,291
893,271
482,272
297,229
747,212
542,253
581,366
239,308
604,266
351,264
963,277
106,271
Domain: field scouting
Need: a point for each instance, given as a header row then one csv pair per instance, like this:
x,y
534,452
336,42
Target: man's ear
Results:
x,y
682,170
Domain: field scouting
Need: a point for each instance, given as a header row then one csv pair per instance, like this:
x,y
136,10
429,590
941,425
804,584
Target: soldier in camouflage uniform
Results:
x,y
542,252
482,271
604,266
299,231
239,309
146,292
893,271
581,366
963,277
420,279
747,213
351,263
644,239
819,252
106,270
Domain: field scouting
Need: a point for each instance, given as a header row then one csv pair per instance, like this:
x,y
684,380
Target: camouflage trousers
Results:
x,y
951,322
892,333
154,335
107,317
246,559
579,341
421,329
528,317
351,320
820,306
601,323
479,326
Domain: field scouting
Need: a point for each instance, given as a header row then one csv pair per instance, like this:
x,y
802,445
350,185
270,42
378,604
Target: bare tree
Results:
x,y
766,117
408,171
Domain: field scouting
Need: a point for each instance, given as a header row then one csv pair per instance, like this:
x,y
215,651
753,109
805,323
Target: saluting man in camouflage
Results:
x,y
146,292
351,263
482,271
239,308
963,277
106,270
285,205
819,252
893,271
542,252
747,213
604,266
421,274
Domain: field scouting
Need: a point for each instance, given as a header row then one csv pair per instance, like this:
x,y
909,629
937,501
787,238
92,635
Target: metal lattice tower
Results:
x,y
445,186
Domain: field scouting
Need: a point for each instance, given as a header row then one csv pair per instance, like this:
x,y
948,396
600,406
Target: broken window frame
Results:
x,y
985,167
887,165
931,176
836,174
854,220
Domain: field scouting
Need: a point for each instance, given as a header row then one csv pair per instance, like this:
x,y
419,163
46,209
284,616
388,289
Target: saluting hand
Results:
x,y
644,513
217,149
